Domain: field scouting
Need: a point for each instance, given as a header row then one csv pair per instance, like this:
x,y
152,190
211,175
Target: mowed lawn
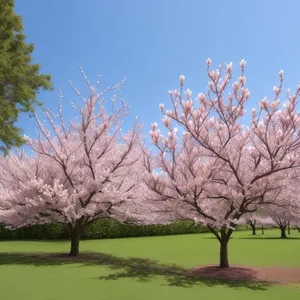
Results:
x,y
143,268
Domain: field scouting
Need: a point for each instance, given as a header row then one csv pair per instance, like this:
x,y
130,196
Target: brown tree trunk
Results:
x,y
289,228
253,227
75,239
224,262
76,230
223,237
262,229
283,234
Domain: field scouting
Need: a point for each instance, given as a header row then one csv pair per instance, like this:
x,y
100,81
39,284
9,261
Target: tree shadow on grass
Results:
x,y
213,238
257,237
260,237
140,269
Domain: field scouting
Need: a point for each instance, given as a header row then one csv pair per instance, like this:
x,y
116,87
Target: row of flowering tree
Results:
x,y
210,167
280,217
284,214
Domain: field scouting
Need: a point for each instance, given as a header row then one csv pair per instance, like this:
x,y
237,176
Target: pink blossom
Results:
x,y
167,121
187,106
169,113
188,93
235,86
229,67
276,90
242,80
153,126
161,106
242,64
176,93
181,79
201,97
281,73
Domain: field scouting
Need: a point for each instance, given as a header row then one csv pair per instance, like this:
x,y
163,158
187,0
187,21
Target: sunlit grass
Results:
x,y
141,268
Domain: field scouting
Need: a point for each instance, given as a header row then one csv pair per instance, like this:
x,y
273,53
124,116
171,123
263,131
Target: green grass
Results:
x,y
143,268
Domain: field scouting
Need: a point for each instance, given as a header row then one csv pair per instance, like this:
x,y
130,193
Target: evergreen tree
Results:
x,y
20,79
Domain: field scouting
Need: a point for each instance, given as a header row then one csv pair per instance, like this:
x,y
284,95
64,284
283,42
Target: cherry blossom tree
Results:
x,y
251,221
79,171
282,219
213,168
256,219
286,213
265,222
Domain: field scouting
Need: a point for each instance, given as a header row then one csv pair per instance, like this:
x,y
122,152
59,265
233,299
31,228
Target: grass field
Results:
x,y
143,268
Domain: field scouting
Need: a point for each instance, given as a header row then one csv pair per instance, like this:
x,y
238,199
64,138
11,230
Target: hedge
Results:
x,y
100,229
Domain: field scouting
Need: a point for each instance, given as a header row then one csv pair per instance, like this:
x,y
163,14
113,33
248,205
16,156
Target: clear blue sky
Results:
x,y
153,42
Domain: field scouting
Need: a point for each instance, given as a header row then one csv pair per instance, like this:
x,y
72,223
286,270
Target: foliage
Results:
x,y
36,232
20,79
100,229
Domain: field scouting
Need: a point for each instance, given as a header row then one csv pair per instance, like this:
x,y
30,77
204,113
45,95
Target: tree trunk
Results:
x,y
289,228
75,239
224,263
76,230
262,229
283,235
253,227
223,237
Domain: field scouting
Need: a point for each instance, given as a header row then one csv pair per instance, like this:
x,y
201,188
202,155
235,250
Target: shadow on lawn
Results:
x,y
137,268
256,237
261,237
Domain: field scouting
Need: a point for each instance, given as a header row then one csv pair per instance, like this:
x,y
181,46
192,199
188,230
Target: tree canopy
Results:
x,y
20,79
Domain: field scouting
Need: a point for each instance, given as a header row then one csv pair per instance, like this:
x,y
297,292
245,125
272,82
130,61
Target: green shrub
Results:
x,y
36,232
113,229
102,229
